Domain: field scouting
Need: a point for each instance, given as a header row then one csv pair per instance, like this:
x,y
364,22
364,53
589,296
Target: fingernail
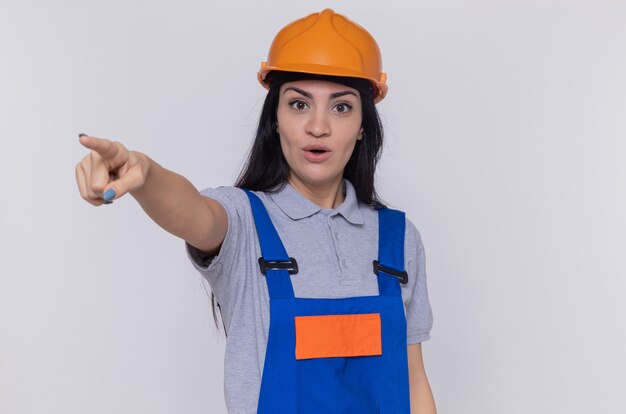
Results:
x,y
81,134
108,202
109,194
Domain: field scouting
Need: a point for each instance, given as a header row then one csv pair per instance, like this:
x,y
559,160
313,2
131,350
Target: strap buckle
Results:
x,y
290,265
403,276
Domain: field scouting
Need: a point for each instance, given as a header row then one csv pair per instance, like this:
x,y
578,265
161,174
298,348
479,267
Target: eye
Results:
x,y
343,107
299,105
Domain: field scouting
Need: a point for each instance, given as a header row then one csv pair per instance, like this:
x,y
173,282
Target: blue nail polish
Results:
x,y
109,194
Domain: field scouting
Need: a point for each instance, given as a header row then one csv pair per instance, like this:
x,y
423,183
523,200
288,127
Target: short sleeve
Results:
x,y
418,311
217,268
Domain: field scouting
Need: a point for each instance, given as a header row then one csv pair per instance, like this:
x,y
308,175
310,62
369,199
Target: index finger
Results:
x,y
102,146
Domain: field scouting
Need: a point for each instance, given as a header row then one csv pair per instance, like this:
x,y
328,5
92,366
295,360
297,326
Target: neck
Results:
x,y
325,195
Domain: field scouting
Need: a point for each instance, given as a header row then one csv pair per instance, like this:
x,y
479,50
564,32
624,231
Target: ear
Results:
x,y
360,135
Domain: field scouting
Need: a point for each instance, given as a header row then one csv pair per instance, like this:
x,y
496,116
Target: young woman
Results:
x,y
321,287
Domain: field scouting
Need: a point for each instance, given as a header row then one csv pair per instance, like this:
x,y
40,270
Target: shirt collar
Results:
x,y
297,206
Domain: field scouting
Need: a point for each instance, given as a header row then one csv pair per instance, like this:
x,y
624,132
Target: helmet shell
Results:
x,y
326,43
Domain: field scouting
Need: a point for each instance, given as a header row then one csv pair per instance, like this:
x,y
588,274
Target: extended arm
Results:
x,y
110,170
175,205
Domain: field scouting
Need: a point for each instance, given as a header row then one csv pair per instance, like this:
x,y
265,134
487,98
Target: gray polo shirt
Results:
x,y
334,249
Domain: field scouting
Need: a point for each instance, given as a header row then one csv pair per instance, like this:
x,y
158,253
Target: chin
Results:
x,y
315,177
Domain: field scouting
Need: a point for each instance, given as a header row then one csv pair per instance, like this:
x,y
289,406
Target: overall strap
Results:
x,y
390,265
272,250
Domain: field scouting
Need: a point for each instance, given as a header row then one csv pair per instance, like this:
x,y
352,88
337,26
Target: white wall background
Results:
x,y
506,140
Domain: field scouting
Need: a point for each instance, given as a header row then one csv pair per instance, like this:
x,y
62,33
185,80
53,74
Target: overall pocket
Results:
x,y
338,358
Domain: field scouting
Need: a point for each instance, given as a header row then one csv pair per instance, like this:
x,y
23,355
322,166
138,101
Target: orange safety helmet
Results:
x,y
326,43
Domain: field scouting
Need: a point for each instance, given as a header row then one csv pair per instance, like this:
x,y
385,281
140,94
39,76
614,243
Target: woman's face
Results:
x,y
318,114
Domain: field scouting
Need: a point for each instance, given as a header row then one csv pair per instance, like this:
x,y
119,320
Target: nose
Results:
x,y
318,124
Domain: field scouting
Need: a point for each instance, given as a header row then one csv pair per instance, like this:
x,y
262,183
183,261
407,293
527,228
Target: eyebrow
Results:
x,y
308,95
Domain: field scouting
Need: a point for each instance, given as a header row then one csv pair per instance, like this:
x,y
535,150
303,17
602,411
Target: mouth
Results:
x,y
316,153
317,148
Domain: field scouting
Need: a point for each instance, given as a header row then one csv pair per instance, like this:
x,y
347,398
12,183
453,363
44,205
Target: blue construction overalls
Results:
x,y
373,378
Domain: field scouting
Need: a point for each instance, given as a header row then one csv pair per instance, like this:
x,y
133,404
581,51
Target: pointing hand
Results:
x,y
109,170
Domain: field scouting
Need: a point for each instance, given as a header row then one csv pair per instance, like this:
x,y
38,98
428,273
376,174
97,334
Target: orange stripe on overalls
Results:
x,y
338,335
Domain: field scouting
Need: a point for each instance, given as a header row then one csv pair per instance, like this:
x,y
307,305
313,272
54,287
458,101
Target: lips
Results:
x,y
316,153
317,148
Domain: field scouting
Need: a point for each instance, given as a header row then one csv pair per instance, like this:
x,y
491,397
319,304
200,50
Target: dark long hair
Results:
x,y
266,168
